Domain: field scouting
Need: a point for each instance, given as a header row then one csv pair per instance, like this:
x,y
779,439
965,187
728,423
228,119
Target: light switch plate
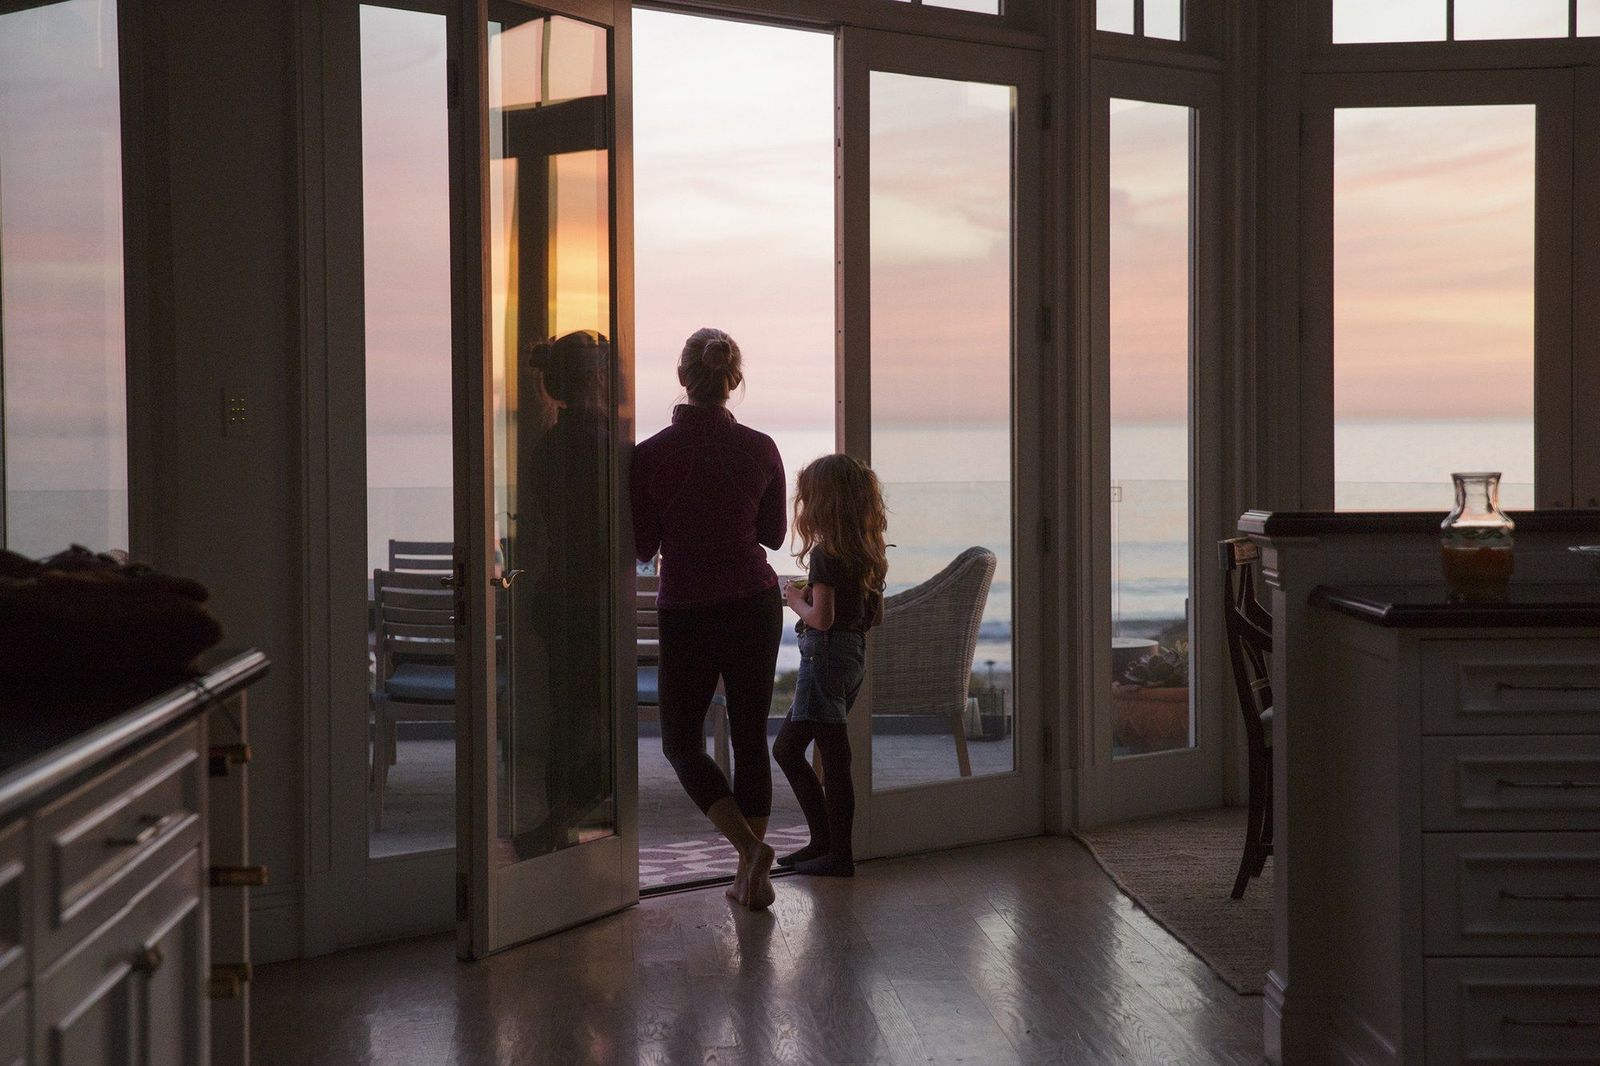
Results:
x,y
238,411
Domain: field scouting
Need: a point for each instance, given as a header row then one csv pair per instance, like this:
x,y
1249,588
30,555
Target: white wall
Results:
x,y
224,509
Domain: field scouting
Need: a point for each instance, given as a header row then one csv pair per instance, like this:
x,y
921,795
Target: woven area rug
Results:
x,y
1180,869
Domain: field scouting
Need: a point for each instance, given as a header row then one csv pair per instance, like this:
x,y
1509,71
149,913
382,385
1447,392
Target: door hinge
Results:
x,y
1045,116
1044,535
1046,744
1300,325
1046,324
463,892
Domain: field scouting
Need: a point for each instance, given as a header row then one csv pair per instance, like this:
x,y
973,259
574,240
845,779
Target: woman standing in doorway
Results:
x,y
707,494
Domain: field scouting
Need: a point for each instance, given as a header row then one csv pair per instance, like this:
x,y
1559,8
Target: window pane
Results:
x,y
1433,303
1588,18
941,248
1356,21
405,172
987,7
1491,19
1114,15
1149,163
1164,19
550,306
62,353
734,221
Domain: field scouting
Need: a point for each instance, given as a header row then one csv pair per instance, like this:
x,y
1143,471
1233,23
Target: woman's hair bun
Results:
x,y
710,366
717,354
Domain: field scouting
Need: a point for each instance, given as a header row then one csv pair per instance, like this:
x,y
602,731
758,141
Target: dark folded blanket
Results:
x,y
80,623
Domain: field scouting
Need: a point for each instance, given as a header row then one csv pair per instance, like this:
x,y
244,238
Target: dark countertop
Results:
x,y
1329,523
1425,606
46,744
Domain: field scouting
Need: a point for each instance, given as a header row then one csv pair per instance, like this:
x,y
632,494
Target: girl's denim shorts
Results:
x,y
832,665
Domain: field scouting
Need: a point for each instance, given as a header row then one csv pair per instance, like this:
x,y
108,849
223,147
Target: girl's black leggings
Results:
x,y
738,642
829,815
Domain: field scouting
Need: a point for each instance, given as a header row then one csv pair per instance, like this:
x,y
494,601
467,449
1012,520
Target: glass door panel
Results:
x,y
1150,164
943,254
551,841
550,243
1433,302
406,284
940,262
1157,737
63,429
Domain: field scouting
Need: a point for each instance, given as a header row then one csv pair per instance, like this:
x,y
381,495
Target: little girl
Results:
x,y
839,520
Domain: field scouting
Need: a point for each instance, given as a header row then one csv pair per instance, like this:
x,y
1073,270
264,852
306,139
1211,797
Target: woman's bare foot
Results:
x,y
759,893
739,891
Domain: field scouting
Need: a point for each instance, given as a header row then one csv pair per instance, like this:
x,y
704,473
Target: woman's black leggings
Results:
x,y
828,817
738,642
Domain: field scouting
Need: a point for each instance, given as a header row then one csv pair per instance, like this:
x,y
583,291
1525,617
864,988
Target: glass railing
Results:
x,y
1419,495
1150,656
940,725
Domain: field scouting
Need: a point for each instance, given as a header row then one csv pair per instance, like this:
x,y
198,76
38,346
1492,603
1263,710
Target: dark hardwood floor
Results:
x,y
1022,952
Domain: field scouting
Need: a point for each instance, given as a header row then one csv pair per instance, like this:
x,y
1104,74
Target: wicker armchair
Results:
x,y
922,654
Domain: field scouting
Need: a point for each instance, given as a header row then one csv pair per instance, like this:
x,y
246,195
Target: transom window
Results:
x,y
1373,21
1161,19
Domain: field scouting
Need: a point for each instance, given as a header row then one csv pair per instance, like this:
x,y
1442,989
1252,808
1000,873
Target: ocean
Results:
x,y
946,490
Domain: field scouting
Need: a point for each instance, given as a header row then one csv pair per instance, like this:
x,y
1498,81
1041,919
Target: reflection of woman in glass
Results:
x,y
563,517
708,493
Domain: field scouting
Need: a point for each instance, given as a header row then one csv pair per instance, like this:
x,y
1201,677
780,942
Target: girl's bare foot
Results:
x,y
758,888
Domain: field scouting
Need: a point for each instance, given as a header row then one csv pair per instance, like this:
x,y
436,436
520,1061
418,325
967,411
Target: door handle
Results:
x,y
504,580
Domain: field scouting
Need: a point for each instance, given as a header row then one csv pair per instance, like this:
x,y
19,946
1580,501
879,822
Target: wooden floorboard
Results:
x,y
1022,952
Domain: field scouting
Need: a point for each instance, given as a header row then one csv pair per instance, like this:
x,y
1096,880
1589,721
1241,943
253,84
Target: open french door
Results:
x,y
547,768
940,381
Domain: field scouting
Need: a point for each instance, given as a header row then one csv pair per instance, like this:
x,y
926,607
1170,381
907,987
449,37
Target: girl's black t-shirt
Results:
x,y
854,609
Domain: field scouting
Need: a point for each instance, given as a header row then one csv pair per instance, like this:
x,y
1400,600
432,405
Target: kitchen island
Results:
x,y
1437,796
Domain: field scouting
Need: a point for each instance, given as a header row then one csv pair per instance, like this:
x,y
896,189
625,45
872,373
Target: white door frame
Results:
x,y
350,898
962,810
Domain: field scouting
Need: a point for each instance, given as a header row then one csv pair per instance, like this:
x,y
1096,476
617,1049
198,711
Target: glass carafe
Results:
x,y
1476,544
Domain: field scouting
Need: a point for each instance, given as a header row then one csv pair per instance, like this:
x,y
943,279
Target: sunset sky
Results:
x,y
735,228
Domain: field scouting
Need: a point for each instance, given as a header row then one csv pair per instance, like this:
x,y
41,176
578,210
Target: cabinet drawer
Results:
x,y
1511,686
14,1029
13,909
132,991
1513,1010
1541,782
100,844
1512,893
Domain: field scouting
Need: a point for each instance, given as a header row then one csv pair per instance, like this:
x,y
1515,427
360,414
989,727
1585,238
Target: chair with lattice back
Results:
x,y
1249,633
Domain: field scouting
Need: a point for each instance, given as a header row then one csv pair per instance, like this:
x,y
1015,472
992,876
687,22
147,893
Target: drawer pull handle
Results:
x,y
1551,897
1504,782
1551,1023
223,756
1507,686
238,876
153,826
147,961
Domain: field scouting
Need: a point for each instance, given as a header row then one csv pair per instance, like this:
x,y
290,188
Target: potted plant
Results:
x,y
1150,701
